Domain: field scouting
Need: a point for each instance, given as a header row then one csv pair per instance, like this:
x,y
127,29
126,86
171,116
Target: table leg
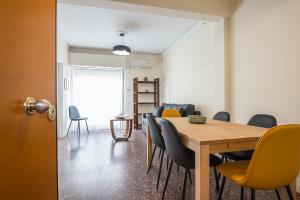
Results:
x,y
294,188
202,172
130,128
149,146
112,129
126,133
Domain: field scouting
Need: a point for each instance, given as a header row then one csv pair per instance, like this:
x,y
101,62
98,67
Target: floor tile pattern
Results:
x,y
94,167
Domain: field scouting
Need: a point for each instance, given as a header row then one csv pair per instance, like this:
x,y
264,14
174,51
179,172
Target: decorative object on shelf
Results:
x,y
137,104
121,50
197,119
146,78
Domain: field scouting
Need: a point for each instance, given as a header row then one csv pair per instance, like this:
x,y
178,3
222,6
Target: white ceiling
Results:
x,y
94,27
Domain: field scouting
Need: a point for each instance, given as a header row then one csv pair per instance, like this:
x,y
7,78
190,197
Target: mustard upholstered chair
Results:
x,y
168,113
274,164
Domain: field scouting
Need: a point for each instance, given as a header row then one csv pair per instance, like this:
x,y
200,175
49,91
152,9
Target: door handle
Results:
x,y
31,105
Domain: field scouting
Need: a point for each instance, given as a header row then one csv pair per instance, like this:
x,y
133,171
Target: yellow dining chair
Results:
x,y
274,164
168,113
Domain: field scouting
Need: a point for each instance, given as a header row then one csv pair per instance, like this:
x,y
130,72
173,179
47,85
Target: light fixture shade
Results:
x,y
121,50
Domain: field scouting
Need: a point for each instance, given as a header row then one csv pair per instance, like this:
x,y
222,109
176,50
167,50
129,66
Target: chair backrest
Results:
x,y
168,113
276,159
155,132
174,146
73,112
222,116
262,120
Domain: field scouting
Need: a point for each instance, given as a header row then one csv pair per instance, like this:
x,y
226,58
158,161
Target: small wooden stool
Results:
x,y
127,132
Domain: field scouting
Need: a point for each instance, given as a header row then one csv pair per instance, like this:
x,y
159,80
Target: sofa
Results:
x,y
184,110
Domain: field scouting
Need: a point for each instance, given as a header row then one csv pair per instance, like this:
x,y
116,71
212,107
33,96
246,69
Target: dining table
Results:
x,y
211,138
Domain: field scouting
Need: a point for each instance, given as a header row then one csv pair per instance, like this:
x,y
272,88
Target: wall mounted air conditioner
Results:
x,y
141,63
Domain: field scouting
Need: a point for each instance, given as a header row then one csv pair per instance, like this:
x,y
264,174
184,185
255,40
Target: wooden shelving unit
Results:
x,y
137,103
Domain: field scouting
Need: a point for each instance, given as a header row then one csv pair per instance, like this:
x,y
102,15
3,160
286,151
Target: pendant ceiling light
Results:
x,y
121,49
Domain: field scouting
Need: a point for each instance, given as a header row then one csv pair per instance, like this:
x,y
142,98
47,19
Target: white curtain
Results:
x,y
98,94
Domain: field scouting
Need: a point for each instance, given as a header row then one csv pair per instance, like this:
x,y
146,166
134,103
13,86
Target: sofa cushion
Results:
x,y
188,109
167,106
167,113
180,110
157,111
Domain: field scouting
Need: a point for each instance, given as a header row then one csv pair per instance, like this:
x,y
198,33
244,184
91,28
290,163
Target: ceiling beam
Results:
x,y
213,12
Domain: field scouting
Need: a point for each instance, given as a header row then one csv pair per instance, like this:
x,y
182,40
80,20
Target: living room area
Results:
x,y
150,99
119,66
174,56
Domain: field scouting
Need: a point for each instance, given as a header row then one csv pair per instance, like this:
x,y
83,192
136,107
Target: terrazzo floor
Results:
x,y
94,167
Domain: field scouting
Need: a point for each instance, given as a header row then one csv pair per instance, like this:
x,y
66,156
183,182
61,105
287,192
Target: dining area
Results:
x,y
259,155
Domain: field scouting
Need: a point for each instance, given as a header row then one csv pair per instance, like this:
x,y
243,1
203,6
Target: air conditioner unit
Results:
x,y
141,63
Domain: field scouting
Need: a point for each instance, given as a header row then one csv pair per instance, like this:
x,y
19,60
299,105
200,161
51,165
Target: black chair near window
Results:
x,y
260,120
75,116
179,154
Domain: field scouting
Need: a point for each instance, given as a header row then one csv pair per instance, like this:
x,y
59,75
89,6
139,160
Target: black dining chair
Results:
x,y
75,116
179,154
158,141
222,116
260,120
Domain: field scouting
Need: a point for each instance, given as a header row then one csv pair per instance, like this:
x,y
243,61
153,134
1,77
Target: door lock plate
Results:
x,y
51,113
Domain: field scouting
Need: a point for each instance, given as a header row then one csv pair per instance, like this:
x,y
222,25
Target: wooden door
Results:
x,y
28,164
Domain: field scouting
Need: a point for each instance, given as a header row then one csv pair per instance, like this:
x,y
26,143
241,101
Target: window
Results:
x,y
98,94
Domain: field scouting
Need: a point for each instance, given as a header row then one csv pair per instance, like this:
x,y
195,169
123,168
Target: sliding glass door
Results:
x,y
98,94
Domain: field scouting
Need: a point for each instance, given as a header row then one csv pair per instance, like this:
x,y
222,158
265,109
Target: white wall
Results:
x,y
265,60
103,58
193,69
62,95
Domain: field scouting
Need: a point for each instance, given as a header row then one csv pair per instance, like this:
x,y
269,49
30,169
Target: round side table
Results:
x,y
128,130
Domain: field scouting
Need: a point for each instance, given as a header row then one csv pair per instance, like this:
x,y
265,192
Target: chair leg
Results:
x,y
69,126
289,191
87,128
223,158
252,194
189,176
184,184
167,180
79,127
159,154
167,161
222,188
217,179
159,172
151,159
242,192
277,194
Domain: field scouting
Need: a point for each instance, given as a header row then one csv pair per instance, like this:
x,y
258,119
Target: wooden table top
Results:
x,y
215,131
122,119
